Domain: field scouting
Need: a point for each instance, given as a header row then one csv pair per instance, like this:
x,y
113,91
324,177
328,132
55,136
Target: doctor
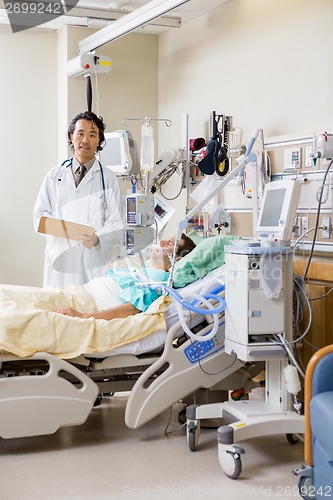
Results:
x,y
82,191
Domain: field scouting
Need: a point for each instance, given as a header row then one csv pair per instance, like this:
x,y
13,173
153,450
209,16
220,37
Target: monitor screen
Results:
x,y
159,211
278,209
116,153
271,210
112,153
163,211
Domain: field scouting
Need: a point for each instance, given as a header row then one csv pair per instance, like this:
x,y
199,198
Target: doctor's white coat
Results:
x,y
67,261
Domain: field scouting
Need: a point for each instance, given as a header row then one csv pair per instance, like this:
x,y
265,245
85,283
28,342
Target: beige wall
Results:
x,y
265,63
38,101
130,90
29,134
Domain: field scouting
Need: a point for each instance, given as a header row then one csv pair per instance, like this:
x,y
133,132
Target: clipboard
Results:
x,y
64,229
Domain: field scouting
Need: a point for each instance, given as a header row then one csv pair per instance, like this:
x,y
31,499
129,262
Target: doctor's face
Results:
x,y
85,139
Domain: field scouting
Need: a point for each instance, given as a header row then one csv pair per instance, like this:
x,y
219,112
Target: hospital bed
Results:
x,y
41,393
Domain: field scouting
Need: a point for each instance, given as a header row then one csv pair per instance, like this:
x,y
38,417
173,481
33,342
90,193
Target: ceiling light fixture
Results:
x,y
97,22
114,14
83,16
128,23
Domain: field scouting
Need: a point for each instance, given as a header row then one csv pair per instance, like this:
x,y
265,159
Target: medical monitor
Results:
x,y
278,210
163,211
120,153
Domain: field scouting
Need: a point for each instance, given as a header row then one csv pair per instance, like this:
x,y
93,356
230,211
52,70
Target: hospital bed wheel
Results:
x,y
98,400
304,485
292,438
182,417
192,433
231,462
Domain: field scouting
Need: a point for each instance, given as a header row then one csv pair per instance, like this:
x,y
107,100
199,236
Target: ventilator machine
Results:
x,y
258,324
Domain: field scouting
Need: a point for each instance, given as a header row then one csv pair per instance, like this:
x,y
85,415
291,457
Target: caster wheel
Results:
x,y
191,441
232,465
292,438
98,400
182,417
305,485
230,460
193,432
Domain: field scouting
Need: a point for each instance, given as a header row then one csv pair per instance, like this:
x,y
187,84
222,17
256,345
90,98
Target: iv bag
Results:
x,y
147,148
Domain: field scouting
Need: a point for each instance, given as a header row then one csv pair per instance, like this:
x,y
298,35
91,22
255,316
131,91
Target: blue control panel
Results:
x,y
198,351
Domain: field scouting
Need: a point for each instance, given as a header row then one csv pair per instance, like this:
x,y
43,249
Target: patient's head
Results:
x,y
161,255
185,245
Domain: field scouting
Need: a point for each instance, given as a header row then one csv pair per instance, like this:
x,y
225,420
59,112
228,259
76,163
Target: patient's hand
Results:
x,y
68,311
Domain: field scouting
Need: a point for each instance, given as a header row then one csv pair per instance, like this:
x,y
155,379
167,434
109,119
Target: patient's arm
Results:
x,y
121,311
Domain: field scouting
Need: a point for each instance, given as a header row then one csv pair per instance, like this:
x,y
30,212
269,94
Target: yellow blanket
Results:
x,y
29,323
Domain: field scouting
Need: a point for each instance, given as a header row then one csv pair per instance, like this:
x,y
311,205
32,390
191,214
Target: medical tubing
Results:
x,y
291,355
186,329
215,290
174,253
197,298
180,303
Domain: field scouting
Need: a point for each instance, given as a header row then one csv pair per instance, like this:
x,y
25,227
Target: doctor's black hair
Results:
x,y
88,115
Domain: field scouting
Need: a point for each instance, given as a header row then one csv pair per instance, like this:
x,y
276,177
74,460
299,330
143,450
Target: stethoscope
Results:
x,y
69,162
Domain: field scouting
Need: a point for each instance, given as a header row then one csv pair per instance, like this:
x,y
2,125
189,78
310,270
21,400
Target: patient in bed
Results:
x,y
114,295
69,321
123,293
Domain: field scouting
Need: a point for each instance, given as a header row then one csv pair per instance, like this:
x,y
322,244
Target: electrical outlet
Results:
x,y
326,225
292,158
227,224
308,156
305,225
298,226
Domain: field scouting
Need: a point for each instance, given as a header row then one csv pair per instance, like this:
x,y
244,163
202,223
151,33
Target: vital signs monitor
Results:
x,y
278,210
119,153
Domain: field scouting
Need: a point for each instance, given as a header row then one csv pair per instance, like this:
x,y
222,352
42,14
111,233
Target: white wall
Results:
x,y
130,90
266,63
37,103
29,134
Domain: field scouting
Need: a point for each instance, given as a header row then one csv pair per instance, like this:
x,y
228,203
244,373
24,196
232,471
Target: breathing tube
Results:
x,y
181,303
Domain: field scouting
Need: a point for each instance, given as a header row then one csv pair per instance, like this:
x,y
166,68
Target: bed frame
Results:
x,y
42,393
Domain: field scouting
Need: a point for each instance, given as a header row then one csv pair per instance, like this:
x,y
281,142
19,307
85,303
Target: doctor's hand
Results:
x,y
88,241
